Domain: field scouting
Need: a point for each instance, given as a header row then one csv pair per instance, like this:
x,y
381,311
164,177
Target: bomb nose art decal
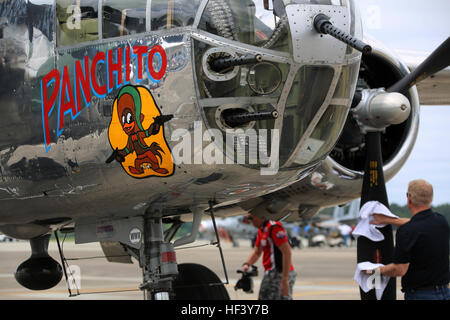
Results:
x,y
136,134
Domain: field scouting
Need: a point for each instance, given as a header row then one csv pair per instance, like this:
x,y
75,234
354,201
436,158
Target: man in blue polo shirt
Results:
x,y
422,247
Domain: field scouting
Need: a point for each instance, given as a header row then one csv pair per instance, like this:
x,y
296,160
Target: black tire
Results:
x,y
197,282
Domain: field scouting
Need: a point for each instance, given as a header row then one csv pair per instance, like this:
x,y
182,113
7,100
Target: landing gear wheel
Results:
x,y
197,282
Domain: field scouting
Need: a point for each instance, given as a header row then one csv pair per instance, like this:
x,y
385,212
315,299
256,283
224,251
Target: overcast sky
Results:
x,y
416,25
430,159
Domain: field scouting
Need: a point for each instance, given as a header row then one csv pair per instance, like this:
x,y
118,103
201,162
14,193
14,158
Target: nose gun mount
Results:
x,y
220,64
238,117
323,25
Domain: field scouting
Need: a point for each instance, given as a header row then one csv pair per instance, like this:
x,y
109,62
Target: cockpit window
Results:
x,y
121,18
169,14
77,21
248,21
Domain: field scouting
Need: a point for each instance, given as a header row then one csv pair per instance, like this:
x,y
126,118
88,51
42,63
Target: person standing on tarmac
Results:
x,y
272,242
422,247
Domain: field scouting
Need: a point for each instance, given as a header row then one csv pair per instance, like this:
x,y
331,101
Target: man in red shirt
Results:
x,y
272,242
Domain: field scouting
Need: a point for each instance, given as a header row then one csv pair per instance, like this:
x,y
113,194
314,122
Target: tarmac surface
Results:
x,y
322,273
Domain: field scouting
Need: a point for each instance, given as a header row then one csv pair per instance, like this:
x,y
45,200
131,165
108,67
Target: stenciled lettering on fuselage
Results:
x,y
61,94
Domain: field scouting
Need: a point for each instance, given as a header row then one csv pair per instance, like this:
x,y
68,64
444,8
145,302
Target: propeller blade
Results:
x,y
374,189
438,60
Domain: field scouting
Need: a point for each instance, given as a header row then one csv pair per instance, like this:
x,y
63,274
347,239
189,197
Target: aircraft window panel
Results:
x,y
348,76
122,18
77,21
248,21
326,133
169,14
322,2
336,2
302,106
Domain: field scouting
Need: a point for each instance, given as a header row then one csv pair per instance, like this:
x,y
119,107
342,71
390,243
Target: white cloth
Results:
x,y
364,228
369,282
344,229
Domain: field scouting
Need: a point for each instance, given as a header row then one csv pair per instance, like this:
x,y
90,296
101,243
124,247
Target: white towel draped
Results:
x,y
364,228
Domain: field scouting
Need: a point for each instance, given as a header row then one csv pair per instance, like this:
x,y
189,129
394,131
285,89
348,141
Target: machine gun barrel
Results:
x,y
323,25
163,119
115,156
220,64
246,117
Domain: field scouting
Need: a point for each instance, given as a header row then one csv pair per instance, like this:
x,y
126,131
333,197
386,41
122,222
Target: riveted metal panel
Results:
x,y
311,47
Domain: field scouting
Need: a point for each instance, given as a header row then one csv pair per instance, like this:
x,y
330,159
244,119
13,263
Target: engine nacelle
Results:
x,y
379,70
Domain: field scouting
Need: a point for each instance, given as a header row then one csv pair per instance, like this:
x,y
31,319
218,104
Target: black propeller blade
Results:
x,y
374,187
438,60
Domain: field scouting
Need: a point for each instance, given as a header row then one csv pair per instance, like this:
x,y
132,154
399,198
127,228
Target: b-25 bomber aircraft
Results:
x,y
121,117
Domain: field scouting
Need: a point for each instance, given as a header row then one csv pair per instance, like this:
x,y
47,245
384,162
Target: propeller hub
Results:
x,y
379,109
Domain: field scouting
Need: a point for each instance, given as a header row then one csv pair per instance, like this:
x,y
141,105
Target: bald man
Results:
x,y
422,247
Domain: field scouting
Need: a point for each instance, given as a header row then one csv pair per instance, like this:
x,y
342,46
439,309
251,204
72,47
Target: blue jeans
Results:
x,y
433,294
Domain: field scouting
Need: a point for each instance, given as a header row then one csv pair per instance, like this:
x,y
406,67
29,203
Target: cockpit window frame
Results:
x,y
192,33
313,123
57,27
349,58
100,39
148,32
114,6
281,57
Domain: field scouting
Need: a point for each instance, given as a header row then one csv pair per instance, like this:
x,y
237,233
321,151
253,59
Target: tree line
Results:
x,y
403,211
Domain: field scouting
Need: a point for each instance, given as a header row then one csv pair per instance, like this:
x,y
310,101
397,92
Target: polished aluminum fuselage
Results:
x,y
70,179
